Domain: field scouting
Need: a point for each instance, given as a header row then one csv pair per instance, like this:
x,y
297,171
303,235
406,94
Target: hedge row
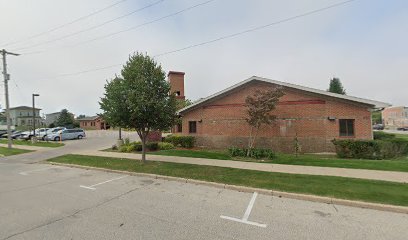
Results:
x,y
181,141
371,149
150,146
257,153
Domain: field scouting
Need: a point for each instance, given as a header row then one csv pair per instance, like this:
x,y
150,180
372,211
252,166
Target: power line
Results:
x,y
255,28
221,38
133,27
65,24
93,27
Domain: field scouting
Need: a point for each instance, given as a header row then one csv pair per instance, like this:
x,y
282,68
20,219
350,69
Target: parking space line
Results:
x,y
25,173
244,219
92,187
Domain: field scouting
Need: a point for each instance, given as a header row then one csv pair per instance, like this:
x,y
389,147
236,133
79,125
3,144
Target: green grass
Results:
x,y
38,144
13,151
194,154
400,164
337,187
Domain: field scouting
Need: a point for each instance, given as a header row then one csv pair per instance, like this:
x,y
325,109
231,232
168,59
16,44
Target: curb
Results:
x,y
297,196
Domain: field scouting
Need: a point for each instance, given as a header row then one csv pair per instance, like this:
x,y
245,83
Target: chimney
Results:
x,y
176,80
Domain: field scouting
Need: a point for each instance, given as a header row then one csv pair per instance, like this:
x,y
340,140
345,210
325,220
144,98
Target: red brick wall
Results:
x,y
176,80
221,123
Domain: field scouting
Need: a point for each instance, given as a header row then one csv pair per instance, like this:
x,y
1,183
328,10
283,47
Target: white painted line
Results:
x,y
246,214
250,205
25,173
243,221
92,186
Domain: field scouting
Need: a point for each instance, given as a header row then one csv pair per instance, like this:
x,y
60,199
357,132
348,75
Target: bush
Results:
x,y
257,153
166,146
123,148
181,141
137,146
152,146
371,149
114,147
383,136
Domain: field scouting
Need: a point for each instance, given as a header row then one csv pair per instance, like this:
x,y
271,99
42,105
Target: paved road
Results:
x,y
40,201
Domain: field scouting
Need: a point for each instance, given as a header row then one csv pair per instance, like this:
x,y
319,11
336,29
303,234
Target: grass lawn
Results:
x,y
38,144
400,164
338,187
14,151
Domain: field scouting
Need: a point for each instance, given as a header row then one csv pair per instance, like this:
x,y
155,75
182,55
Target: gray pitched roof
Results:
x,y
88,118
24,107
372,103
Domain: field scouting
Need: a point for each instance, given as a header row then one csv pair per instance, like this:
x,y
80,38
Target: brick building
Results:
x,y
93,123
395,117
316,117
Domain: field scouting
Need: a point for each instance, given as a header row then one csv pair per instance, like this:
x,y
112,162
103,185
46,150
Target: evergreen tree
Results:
x,y
336,86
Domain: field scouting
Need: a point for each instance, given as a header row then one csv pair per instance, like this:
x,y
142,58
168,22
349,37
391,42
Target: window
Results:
x,y
179,127
192,127
346,127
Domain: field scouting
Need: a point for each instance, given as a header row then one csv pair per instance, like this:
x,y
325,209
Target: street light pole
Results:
x,y
34,138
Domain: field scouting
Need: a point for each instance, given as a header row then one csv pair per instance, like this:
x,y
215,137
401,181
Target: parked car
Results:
x,y
51,131
378,127
27,135
402,129
14,134
41,133
67,134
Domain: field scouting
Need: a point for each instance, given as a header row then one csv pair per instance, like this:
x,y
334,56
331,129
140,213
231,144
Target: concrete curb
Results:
x,y
298,196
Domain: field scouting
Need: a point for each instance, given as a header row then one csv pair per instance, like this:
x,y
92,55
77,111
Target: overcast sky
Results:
x,y
364,43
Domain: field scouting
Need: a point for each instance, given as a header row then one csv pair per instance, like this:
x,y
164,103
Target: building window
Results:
x,y
346,127
179,127
192,127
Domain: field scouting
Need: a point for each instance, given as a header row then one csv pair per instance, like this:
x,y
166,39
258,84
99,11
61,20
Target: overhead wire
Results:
x,y
90,28
64,25
220,38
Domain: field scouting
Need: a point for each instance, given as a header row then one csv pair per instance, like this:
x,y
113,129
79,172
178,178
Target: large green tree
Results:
x,y
336,86
65,119
140,98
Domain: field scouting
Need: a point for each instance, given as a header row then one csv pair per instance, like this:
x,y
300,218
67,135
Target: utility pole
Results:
x,y
6,78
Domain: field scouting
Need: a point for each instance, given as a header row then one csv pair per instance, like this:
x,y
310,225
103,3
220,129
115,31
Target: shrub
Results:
x,y
123,148
383,136
371,149
181,141
137,146
114,147
166,146
152,146
126,141
257,153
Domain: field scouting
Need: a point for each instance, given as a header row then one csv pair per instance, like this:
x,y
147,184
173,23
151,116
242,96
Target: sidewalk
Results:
x,y
401,177
25,147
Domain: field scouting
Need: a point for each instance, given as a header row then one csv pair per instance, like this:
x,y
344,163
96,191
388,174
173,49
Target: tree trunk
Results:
x,y
250,141
143,149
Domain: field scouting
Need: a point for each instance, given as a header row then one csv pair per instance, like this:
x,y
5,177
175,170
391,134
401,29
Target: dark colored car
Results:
x,y
378,127
402,129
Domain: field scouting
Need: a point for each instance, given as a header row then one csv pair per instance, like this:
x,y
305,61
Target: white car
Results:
x,y
67,134
51,131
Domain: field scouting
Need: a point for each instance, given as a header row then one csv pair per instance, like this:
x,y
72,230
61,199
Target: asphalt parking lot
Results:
x,y
41,201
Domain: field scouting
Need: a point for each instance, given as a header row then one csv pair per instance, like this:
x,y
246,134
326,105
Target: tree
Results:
x,y
336,86
376,117
259,108
81,116
182,103
140,99
65,119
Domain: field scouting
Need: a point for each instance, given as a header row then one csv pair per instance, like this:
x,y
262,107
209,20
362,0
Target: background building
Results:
x,y
22,116
315,117
93,123
395,117
51,118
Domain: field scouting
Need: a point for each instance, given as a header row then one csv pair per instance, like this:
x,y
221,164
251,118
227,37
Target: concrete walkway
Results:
x,y
26,147
401,177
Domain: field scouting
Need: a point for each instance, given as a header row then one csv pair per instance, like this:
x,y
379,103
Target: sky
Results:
x,y
363,42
